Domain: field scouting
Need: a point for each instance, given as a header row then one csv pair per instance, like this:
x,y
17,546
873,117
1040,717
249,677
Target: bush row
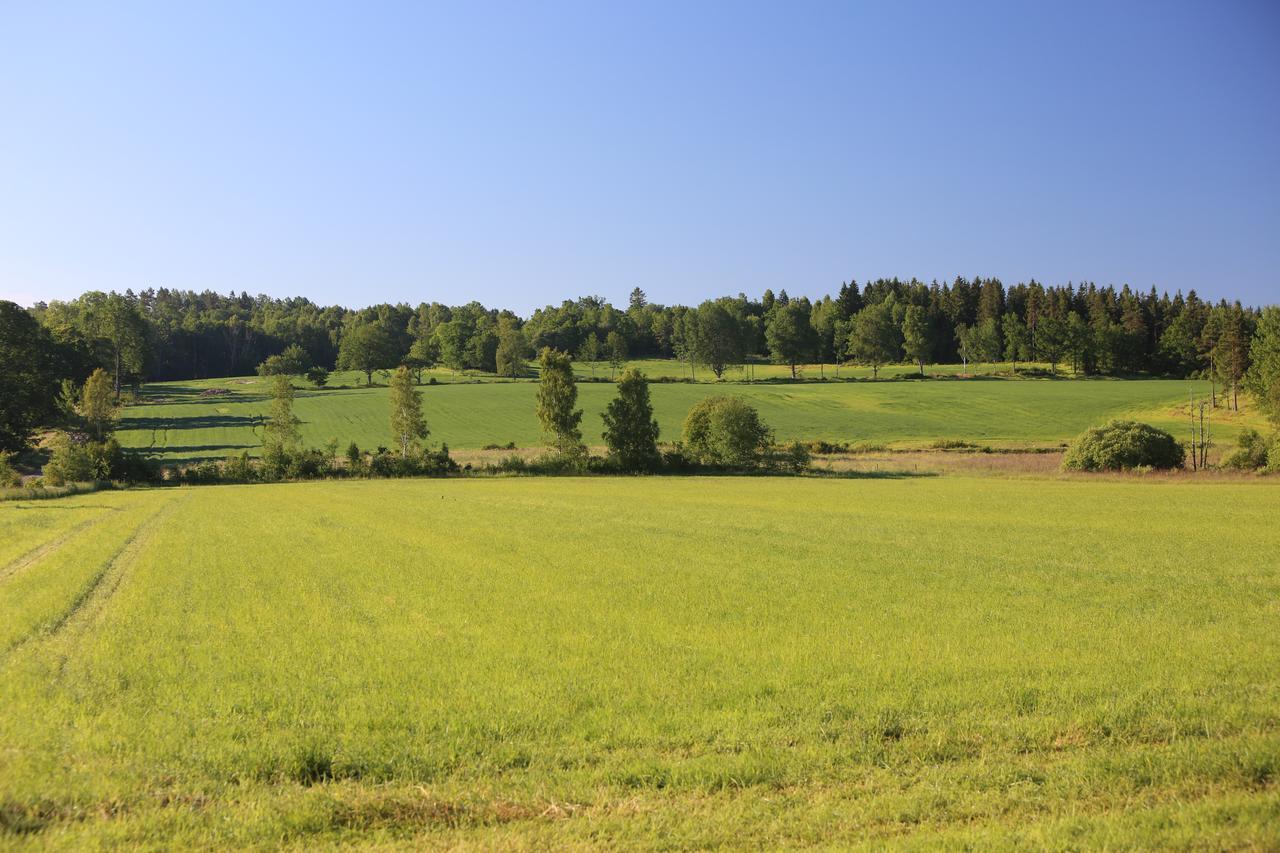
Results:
x,y
282,463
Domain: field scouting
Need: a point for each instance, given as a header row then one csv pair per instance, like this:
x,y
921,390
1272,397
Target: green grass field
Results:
x,y
1001,412
651,662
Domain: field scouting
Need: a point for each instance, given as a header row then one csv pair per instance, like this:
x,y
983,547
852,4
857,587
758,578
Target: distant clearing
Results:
x,y
1002,412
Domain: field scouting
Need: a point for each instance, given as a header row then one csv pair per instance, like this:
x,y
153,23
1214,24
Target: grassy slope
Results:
x,y
648,662
1004,412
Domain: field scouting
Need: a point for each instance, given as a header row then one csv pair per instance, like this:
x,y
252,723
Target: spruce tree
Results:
x,y
630,431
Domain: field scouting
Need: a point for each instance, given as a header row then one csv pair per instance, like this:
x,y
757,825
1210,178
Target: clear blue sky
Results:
x,y
520,154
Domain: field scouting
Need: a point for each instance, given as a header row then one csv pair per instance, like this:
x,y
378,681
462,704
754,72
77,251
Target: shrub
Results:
x,y
1250,453
9,478
71,462
238,469
726,431
793,457
1121,446
546,464
318,376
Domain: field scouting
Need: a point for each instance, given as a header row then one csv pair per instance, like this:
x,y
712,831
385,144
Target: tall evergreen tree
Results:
x,y
630,430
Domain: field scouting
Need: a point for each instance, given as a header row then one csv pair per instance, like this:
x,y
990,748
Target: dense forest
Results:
x,y
172,334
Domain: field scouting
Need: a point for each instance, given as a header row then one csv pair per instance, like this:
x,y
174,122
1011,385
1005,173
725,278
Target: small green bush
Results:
x,y
727,432
71,462
794,457
1122,446
1250,453
9,478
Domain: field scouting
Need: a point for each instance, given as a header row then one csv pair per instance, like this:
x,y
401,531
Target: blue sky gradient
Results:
x,y
523,153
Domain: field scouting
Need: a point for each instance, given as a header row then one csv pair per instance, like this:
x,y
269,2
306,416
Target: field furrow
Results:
x,y
46,548
41,597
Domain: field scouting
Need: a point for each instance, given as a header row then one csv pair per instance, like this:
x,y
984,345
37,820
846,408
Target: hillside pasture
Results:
x,y
643,662
181,425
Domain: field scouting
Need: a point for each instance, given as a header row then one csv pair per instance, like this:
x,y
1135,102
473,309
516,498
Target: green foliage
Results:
x,y
513,350
407,422
557,397
1121,445
29,376
917,339
790,335
1250,453
317,376
9,478
366,348
726,431
75,460
718,340
875,338
630,430
98,404
616,346
1263,377
294,361
1016,340
281,430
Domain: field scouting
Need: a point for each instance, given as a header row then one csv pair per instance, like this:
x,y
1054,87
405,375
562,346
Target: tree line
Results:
x,y
163,334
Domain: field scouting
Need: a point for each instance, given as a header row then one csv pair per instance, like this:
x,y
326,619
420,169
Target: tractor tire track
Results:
x,y
95,594
45,548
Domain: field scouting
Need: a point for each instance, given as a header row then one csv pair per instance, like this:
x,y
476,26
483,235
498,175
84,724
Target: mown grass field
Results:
x,y
644,662
1000,412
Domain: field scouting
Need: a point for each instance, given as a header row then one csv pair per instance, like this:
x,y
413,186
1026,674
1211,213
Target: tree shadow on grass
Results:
x,y
180,449
872,475
188,395
196,422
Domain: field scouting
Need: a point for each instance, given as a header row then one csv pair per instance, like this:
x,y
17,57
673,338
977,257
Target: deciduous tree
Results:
x,y
98,404
557,396
281,431
917,339
407,422
1263,377
789,333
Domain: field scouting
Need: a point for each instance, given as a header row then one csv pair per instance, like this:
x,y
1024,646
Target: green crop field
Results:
x,y
644,662
182,425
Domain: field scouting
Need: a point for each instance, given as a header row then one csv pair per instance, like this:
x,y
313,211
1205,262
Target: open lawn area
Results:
x,y
180,424
644,662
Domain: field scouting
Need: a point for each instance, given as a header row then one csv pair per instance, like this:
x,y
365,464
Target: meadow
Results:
x,y
178,424
644,662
